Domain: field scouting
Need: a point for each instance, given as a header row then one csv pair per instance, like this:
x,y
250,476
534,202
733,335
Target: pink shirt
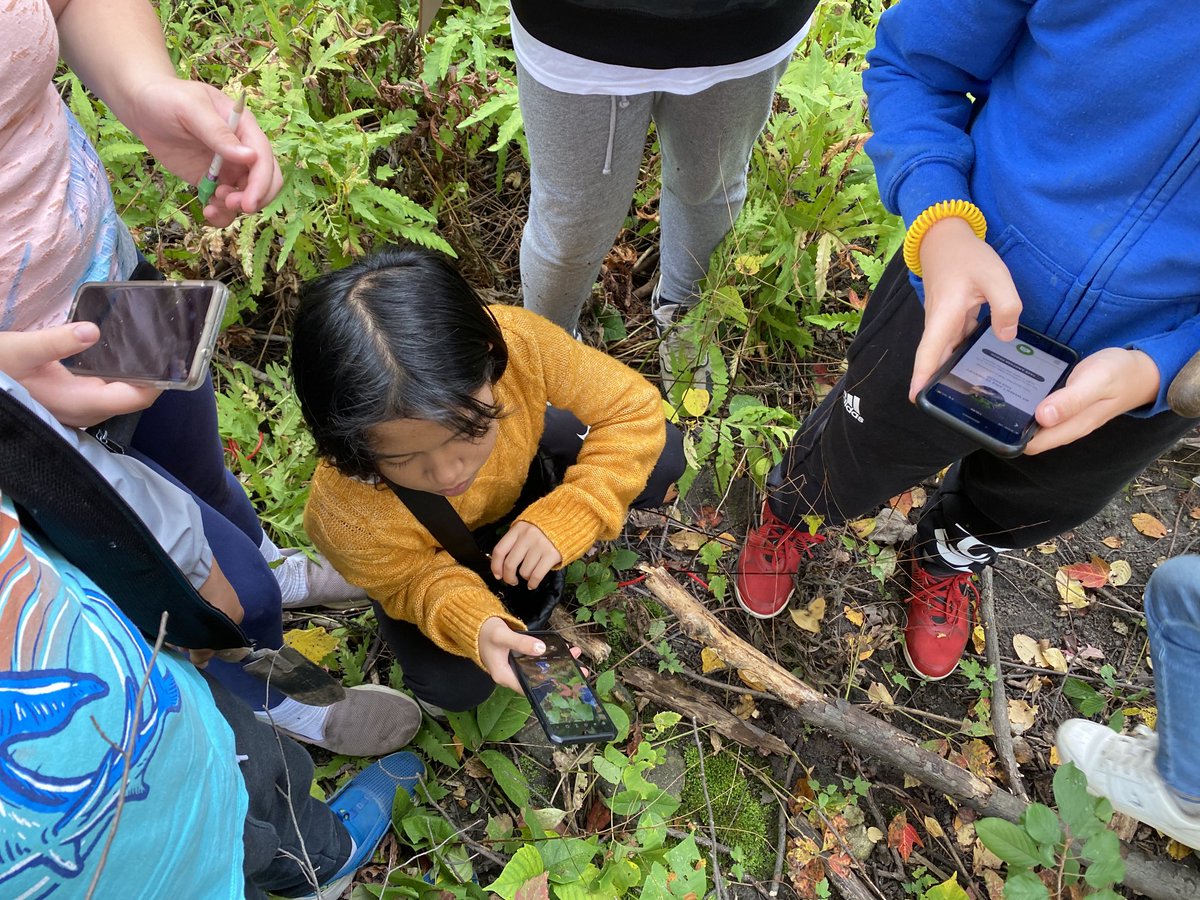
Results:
x,y
60,227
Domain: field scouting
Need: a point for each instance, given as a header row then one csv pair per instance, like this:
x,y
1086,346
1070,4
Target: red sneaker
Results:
x,y
939,621
768,563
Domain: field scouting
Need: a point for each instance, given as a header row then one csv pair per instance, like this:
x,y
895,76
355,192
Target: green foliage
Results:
x,y
636,860
750,437
1041,841
269,448
594,579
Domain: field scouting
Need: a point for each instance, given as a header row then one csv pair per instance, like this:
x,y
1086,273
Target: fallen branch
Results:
x,y
1000,725
694,703
1156,878
595,648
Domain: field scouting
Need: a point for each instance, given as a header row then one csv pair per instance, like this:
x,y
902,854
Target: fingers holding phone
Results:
x,y
558,691
34,359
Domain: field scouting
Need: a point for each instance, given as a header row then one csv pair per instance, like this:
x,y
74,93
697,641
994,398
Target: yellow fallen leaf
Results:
x,y
1148,525
1021,715
710,661
1119,572
810,617
695,401
1027,649
918,497
980,759
864,655
744,709
874,835
687,540
1070,591
863,527
978,639
748,264
1055,759
878,693
853,616
1148,714
934,827
750,681
1054,659
1176,850
814,522
1047,547
314,643
1112,542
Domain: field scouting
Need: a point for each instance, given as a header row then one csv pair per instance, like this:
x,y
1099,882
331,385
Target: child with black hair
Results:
x,y
406,376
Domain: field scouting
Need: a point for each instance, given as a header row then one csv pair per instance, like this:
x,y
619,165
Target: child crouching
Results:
x,y
407,378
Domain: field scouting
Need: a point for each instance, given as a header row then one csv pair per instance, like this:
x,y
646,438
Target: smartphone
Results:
x,y
990,389
158,333
562,699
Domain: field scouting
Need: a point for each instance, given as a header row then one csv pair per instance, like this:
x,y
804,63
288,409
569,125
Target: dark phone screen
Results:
x,y
555,684
150,331
996,385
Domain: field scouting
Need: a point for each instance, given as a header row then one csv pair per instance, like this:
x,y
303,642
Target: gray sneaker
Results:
x,y
682,351
325,585
372,720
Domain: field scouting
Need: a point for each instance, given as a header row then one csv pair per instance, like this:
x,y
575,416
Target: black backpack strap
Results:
x,y
95,529
447,527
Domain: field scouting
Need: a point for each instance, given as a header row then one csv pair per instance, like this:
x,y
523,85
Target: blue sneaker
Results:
x,y
364,806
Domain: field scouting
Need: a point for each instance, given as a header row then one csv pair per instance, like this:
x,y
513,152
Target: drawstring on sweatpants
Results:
x,y
612,131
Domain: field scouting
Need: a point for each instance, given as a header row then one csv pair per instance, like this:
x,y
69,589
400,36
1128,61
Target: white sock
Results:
x,y
291,573
299,718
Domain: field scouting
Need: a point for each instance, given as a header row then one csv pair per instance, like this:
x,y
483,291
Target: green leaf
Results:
x,y
1083,696
949,889
1024,886
466,729
525,865
567,858
1076,806
1106,866
502,715
435,743
1041,822
624,559
1008,842
507,776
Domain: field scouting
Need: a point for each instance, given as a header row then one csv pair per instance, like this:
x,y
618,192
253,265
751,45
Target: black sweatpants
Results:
x,y
866,443
285,824
455,682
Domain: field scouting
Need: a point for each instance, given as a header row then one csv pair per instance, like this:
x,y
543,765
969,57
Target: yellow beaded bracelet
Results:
x,y
961,209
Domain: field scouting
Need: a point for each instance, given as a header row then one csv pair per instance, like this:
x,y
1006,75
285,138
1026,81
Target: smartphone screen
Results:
x,y
150,331
561,697
995,386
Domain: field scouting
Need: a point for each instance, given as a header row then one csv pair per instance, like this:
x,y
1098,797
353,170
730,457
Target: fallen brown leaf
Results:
x,y
1149,525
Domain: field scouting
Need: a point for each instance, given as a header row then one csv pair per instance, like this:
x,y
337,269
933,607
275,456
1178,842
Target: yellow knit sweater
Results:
x,y
377,544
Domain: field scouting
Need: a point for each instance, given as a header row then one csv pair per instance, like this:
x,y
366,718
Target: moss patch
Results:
x,y
741,820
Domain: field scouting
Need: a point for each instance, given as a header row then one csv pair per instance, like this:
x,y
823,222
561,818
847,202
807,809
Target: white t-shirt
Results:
x,y
572,74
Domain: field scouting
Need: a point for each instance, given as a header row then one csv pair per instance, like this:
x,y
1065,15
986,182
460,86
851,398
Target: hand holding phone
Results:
x,y
155,333
990,389
562,699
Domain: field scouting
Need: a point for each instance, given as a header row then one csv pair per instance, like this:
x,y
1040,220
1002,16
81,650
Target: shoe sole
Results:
x,y
746,609
922,675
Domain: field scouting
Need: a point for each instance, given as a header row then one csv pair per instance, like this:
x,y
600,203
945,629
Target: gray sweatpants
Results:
x,y
585,153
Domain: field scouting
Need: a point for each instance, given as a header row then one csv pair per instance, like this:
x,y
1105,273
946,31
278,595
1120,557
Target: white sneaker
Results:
x,y
1121,767
682,353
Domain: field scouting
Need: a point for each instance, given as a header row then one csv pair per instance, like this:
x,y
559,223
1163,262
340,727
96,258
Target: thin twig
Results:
x,y
1001,729
127,752
781,846
712,825
462,832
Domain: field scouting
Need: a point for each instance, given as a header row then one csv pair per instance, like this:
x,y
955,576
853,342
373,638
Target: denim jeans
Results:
x,y
1173,619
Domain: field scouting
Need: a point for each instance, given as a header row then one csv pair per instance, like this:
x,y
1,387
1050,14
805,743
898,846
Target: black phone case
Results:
x,y
987,441
606,734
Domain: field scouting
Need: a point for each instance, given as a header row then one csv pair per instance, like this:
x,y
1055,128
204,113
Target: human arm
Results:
x,y
376,543
930,55
626,437
116,47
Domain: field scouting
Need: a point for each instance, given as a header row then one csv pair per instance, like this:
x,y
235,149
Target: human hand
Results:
x,y
1101,387
496,639
524,550
33,358
961,274
218,593
183,123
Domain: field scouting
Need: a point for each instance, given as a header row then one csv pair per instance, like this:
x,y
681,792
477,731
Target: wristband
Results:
x,y
962,209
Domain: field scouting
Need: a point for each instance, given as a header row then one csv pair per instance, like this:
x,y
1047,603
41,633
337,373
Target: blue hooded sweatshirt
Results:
x,y
1081,147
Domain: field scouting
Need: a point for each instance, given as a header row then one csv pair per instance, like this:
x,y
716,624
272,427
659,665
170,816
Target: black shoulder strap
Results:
x,y
95,529
447,527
